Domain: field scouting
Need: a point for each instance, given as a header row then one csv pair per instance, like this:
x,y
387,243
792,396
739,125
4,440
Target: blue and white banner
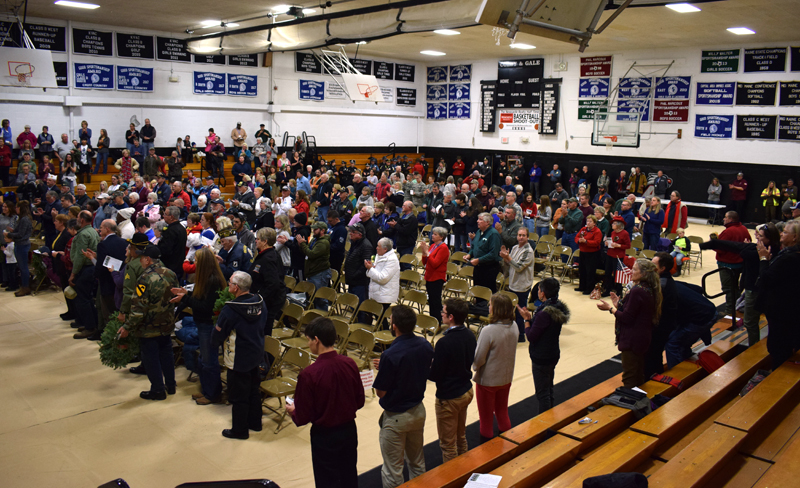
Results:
x,y
641,106
437,74
713,126
461,73
594,88
715,93
635,87
673,87
209,83
94,76
458,110
437,111
458,92
242,85
134,79
312,90
436,93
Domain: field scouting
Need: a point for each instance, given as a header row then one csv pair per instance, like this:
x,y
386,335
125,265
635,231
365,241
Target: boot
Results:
x,y
22,292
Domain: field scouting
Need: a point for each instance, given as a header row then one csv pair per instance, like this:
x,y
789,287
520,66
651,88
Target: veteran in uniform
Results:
x,y
152,320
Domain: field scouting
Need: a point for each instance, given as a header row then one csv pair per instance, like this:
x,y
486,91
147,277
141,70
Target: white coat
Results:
x,y
384,278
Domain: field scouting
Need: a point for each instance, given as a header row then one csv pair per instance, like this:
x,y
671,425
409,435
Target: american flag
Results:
x,y
623,274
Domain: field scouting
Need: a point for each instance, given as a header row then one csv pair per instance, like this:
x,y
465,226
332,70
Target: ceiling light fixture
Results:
x,y
683,8
308,11
209,23
280,9
446,32
521,46
432,53
67,3
230,24
361,42
741,31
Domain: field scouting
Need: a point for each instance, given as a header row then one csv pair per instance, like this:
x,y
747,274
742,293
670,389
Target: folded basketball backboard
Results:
x,y
616,128
358,87
27,67
362,87
554,16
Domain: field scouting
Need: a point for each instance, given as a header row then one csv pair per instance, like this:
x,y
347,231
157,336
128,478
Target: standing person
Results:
x,y
543,329
734,231
83,158
126,166
617,243
267,274
676,215
404,230
246,315
668,322
636,314
589,239
714,196
652,218
5,162
573,222
403,371
458,168
661,184
485,253
328,395
317,251
45,141
20,235
148,134
775,297
460,224
238,135
450,370
772,201
555,177
535,175
495,354
209,281
435,258
84,132
173,241
738,195
131,135
622,185
355,273
152,320
101,152
520,272
603,180
544,216
384,274
637,182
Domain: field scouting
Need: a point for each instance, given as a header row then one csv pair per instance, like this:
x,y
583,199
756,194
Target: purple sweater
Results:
x,y
634,325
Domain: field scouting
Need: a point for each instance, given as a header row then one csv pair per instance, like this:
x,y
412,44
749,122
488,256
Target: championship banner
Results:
x,y
461,73
458,92
713,126
94,76
715,93
671,111
642,106
209,83
437,74
436,93
635,87
134,79
673,87
312,90
437,111
769,59
720,61
594,87
596,66
458,110
242,85
761,127
789,128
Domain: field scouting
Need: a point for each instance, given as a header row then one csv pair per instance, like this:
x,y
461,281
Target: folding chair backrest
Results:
x,y
648,253
466,272
548,238
326,293
296,358
480,292
342,333
305,287
543,248
415,299
427,323
289,281
533,238
457,286
292,311
512,296
672,235
334,277
457,257
452,269
408,259
345,305
410,279
631,252
365,341
273,347
371,307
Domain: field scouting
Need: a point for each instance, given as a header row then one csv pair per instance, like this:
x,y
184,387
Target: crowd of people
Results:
x,y
157,238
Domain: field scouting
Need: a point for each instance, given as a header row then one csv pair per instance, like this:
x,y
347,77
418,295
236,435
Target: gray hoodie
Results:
x,y
495,354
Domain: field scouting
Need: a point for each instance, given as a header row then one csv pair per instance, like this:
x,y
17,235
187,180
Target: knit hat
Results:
x,y
301,218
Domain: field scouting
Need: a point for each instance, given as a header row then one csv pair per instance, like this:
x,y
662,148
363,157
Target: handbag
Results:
x,y
597,292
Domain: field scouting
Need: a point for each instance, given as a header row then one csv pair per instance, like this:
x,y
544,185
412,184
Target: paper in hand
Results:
x,y
113,263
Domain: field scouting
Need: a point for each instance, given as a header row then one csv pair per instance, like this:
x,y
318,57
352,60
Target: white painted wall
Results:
x,y
460,134
175,111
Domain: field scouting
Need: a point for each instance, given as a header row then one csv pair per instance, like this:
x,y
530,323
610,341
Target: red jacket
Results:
x,y
458,168
301,207
736,232
381,190
529,211
419,168
187,200
623,239
436,262
681,220
30,136
593,238
5,156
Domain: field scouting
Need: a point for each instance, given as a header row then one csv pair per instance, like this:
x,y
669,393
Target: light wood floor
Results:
x,y
68,421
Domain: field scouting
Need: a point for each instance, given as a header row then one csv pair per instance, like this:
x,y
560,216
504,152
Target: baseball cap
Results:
x,y
241,183
740,174
209,177
217,201
319,225
357,227
796,206
285,188
161,175
104,195
572,200
152,251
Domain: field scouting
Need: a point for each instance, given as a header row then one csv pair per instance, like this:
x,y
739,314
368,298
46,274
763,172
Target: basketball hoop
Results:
x,y
22,70
367,90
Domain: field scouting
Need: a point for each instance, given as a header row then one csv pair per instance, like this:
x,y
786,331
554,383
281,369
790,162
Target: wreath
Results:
x,y
117,353
224,296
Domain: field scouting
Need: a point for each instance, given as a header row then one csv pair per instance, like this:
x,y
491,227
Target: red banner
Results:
x,y
596,66
671,111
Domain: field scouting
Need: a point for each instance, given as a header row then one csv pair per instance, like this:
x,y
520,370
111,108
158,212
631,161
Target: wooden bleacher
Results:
x,y
706,435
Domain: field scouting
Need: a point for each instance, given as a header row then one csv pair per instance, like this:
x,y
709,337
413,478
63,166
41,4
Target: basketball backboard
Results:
x,y
27,67
616,129
362,87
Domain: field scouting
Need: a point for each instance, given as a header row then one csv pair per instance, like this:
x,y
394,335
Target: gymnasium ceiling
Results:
x,y
636,28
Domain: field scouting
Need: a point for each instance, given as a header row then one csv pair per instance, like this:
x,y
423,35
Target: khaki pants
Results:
x,y
401,438
451,422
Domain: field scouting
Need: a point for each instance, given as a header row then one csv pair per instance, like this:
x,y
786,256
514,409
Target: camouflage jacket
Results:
x,y
152,314
418,190
133,270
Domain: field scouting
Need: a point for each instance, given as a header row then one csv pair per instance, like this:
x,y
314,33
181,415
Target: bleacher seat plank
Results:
x,y
701,460
533,467
766,398
768,441
739,472
669,448
623,453
606,421
786,470
481,459
531,432
649,466
705,395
